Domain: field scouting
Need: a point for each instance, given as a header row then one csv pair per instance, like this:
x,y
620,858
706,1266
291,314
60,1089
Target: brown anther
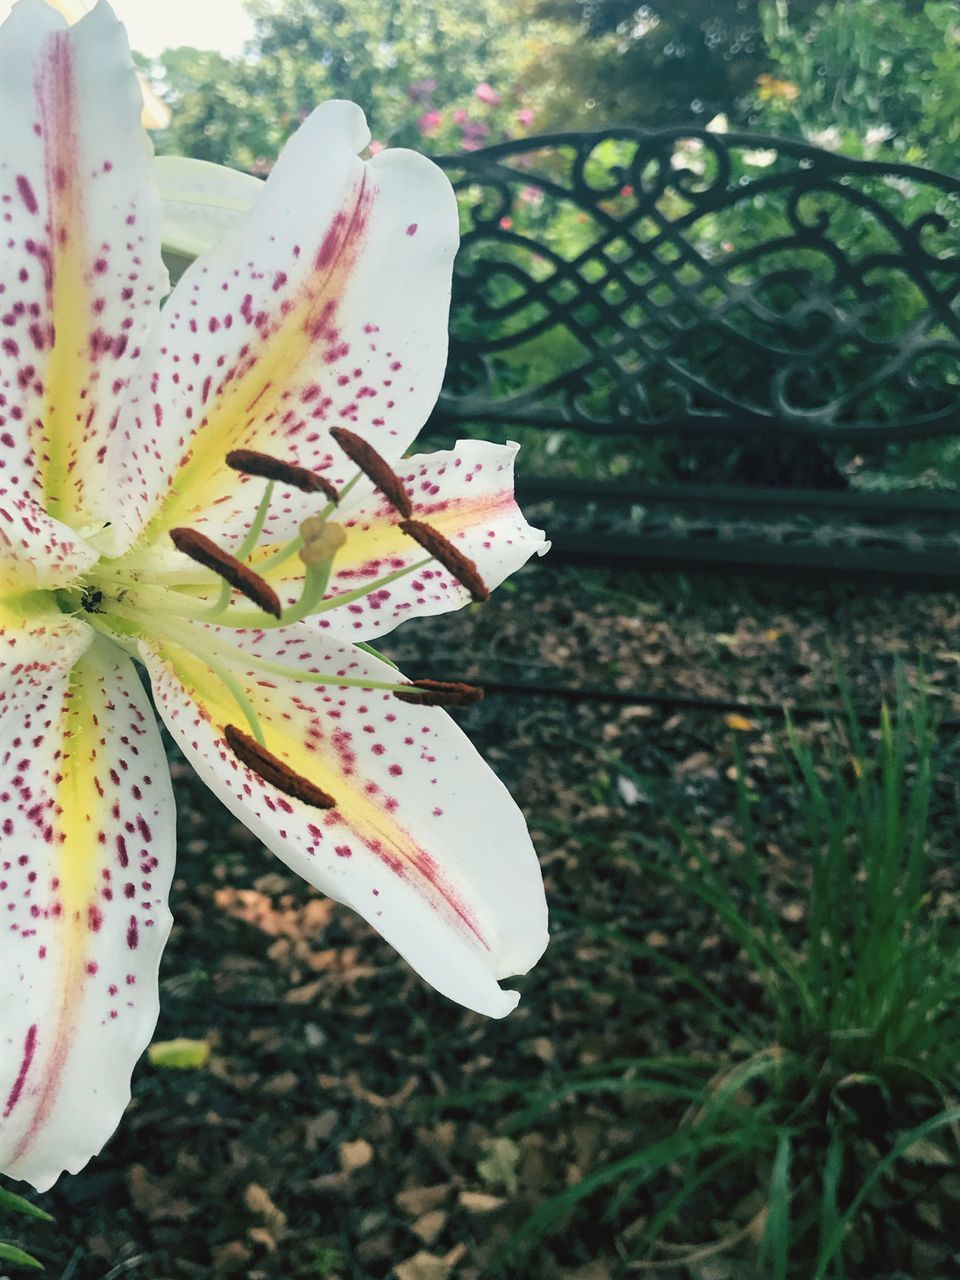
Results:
x,y
442,549
440,693
266,766
251,463
199,547
374,468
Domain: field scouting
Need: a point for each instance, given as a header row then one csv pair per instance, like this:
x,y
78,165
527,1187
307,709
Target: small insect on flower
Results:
x,y
218,492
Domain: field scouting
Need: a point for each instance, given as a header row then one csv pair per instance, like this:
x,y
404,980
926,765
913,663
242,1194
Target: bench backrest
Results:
x,y
640,284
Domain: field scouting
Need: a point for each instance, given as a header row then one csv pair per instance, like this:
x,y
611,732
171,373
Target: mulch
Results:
x,y
347,1122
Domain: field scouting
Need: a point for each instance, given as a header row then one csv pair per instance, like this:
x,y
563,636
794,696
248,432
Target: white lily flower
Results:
x,y
308,344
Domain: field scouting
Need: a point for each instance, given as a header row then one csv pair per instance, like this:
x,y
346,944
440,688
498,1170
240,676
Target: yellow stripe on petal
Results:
x,y
81,275
80,799
423,840
298,330
79,808
88,839
325,305
69,297
331,764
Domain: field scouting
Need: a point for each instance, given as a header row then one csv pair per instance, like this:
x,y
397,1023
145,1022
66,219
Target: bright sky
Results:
x,y
154,25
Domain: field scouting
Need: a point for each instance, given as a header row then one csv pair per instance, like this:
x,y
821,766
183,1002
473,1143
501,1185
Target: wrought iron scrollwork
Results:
x,y
641,283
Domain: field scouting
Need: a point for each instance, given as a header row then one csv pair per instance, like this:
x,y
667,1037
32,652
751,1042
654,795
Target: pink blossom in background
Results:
x,y
461,115
506,223
376,147
525,117
429,123
475,131
627,190
486,93
531,195
421,90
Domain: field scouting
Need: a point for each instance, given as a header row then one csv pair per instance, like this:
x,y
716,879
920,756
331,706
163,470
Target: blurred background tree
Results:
x,y
870,76
436,75
865,75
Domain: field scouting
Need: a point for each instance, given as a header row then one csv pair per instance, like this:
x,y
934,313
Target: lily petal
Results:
x,y
465,493
81,277
201,202
325,305
85,868
424,842
37,551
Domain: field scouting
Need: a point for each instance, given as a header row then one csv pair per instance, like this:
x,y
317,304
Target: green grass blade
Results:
x,y
10,1253
829,1206
775,1246
17,1204
834,1242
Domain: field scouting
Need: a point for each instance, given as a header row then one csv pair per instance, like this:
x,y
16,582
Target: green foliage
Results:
x,y
872,976
327,1261
833,1097
432,75
11,1203
856,71
11,1253
652,64
873,76
213,113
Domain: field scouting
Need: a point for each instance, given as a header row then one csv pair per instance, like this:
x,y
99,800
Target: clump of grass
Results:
x,y
845,1109
831,1113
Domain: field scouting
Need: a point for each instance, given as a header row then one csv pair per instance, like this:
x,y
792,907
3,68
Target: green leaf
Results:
x,y
833,1244
375,653
10,1253
775,1249
17,1204
178,1055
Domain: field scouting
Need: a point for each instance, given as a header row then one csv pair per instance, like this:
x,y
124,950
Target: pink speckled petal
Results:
x,y
466,493
85,867
37,551
81,275
325,305
425,841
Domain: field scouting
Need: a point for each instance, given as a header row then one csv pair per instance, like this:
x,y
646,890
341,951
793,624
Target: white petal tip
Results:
x,y
349,117
509,1001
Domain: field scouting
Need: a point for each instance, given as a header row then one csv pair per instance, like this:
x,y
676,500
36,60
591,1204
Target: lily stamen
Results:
x,y
201,549
251,463
440,693
374,467
452,558
273,770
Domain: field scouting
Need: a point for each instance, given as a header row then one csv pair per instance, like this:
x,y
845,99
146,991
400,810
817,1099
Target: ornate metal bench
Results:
x,y
714,348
